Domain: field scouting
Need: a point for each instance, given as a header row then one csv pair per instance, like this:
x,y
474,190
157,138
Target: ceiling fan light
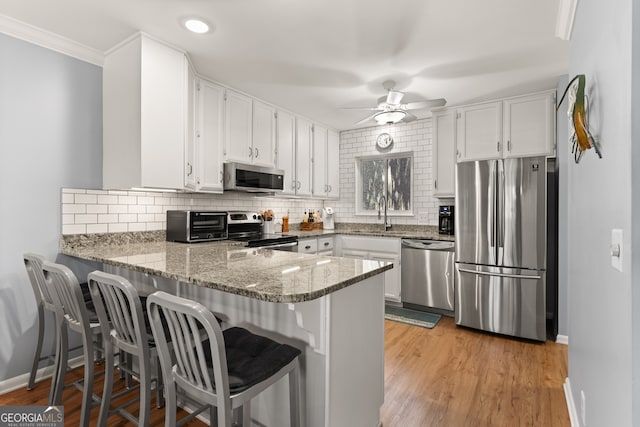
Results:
x,y
389,116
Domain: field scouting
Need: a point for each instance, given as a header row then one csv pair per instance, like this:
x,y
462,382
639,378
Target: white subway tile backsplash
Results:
x,y
107,218
68,198
115,228
128,218
68,208
97,228
137,226
127,200
86,219
74,229
107,199
118,209
86,198
97,209
137,209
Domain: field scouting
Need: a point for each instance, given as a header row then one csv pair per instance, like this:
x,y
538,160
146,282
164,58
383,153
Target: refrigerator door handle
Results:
x,y
511,276
500,221
491,217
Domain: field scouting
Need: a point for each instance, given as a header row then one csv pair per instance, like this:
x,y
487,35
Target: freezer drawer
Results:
x,y
508,301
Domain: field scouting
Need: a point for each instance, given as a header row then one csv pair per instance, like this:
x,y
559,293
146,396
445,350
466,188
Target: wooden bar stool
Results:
x,y
223,372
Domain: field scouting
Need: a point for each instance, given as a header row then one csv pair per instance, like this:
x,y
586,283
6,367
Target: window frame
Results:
x,y
359,211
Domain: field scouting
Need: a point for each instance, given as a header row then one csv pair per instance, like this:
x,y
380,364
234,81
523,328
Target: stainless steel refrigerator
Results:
x,y
501,246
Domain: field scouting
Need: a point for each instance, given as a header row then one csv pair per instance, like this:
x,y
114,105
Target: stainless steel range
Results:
x,y
247,227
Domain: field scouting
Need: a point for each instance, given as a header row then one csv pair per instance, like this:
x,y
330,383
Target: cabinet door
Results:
x,y
391,277
237,127
529,125
264,134
210,133
303,157
333,164
163,105
444,145
193,121
307,246
319,162
285,149
479,131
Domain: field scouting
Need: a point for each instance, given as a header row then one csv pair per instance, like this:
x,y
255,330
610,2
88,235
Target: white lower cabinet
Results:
x,y
308,246
375,249
318,246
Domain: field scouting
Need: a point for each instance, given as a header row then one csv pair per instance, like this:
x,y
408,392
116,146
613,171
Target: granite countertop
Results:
x,y
258,273
429,232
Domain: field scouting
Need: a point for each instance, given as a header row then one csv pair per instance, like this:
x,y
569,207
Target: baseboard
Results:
x,y
22,380
571,405
38,36
562,339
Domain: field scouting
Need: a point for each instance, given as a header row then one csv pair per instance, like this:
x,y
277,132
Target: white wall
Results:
x,y
416,137
50,137
600,194
562,164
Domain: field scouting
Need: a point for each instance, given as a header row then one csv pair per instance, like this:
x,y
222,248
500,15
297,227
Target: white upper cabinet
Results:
x,y
303,157
444,152
286,150
325,162
529,125
479,131
209,134
264,134
144,115
190,150
238,119
514,127
333,164
319,162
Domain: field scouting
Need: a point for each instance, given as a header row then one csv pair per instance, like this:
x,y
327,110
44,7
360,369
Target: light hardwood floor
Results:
x,y
446,376
453,376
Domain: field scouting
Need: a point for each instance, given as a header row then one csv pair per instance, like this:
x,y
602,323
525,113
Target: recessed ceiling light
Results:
x,y
196,25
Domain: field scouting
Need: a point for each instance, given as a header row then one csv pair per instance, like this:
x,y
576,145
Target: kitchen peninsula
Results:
x,y
331,308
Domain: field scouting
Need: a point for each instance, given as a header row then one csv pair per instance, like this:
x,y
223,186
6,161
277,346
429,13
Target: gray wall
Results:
x,y
50,137
562,164
599,199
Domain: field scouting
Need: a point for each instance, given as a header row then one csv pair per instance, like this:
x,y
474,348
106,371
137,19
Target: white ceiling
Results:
x,y
313,57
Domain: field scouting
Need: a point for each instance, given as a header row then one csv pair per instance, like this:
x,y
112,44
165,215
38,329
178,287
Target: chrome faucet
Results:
x,y
383,199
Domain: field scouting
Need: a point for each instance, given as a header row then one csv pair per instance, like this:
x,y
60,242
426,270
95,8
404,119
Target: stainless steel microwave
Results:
x,y
196,226
251,178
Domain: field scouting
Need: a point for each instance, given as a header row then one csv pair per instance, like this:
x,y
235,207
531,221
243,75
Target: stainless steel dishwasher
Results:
x,y
427,274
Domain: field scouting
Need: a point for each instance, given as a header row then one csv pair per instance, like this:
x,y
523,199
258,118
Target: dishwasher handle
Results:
x,y
428,245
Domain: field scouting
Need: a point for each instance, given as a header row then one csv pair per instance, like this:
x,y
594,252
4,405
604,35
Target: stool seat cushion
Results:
x,y
251,358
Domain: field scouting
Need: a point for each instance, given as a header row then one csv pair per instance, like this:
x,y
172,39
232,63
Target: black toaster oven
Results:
x,y
196,226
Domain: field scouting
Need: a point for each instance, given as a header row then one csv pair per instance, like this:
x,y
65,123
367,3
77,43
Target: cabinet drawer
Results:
x,y
308,246
325,243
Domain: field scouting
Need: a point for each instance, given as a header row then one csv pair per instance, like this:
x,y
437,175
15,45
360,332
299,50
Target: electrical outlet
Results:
x,y
583,408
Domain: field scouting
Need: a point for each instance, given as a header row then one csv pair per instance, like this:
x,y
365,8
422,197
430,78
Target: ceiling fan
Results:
x,y
390,108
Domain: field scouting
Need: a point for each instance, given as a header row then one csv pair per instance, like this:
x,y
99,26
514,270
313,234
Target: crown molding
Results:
x,y
29,33
566,16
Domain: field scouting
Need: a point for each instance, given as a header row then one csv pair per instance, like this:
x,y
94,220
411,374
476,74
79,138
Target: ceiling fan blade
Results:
x,y
431,103
366,119
362,108
409,118
394,97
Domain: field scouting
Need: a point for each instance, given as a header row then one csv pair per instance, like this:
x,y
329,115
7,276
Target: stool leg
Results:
x,y
170,404
294,395
105,404
36,356
62,355
145,392
87,393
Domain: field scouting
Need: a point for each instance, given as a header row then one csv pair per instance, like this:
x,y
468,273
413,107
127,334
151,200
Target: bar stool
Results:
x,y
223,372
44,301
71,312
116,300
